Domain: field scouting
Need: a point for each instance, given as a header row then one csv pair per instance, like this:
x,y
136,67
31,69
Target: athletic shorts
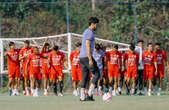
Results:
x,y
56,72
45,71
148,73
160,72
113,72
14,72
35,74
76,74
131,72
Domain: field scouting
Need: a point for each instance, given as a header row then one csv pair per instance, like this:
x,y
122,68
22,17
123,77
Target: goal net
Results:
x,y
66,43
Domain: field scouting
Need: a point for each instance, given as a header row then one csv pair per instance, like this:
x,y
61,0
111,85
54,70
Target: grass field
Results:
x,y
69,102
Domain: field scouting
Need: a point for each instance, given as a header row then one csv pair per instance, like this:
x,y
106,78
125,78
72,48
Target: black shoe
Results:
x,y
140,94
89,98
127,92
120,93
135,92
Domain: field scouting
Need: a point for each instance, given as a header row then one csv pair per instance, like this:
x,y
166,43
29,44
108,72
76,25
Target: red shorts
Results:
x,y
56,72
105,71
45,71
35,74
14,72
113,72
76,74
160,72
148,73
131,73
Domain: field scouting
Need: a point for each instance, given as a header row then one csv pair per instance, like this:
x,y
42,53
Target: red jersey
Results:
x,y
56,58
160,56
44,58
132,59
25,52
113,58
148,59
13,58
34,61
74,58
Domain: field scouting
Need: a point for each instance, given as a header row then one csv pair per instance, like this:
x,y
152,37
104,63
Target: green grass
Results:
x,y
69,102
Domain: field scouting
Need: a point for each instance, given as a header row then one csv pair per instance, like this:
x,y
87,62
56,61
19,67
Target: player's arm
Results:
x,y
155,64
36,44
6,53
88,43
42,49
65,63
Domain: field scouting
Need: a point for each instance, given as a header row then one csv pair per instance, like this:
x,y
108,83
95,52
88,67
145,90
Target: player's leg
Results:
x,y
60,79
32,83
150,77
38,83
133,85
17,80
85,72
75,81
133,78
115,79
10,86
161,75
100,84
140,85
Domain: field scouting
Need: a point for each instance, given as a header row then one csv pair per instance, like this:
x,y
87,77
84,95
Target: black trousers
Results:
x,y
86,69
139,80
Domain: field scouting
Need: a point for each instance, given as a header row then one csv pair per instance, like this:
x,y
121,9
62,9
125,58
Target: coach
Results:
x,y
88,64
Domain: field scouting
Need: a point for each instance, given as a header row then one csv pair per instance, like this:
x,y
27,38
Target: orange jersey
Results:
x,y
25,52
113,58
131,59
160,56
34,62
149,59
74,58
44,58
56,58
13,58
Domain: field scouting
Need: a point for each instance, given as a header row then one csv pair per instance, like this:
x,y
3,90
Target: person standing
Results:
x,y
88,64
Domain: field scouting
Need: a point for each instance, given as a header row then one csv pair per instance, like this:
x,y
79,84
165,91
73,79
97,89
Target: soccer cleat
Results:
x,y
60,94
114,93
89,98
10,92
99,93
75,93
158,94
24,93
140,94
149,94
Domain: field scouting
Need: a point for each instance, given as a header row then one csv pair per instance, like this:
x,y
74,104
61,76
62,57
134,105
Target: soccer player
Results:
x,y
139,79
76,69
13,69
87,61
44,51
56,62
27,50
161,58
114,67
131,60
33,60
98,55
150,67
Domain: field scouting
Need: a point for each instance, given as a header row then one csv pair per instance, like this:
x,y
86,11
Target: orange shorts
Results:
x,y
14,72
160,72
35,74
56,72
113,72
131,73
76,74
148,73
45,71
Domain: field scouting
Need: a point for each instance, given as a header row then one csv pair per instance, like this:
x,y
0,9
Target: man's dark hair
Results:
x,y
116,47
97,46
78,44
56,48
132,47
140,41
157,43
93,20
149,44
46,44
11,43
26,42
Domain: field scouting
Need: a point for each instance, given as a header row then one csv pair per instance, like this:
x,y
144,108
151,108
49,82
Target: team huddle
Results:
x,y
115,67
92,67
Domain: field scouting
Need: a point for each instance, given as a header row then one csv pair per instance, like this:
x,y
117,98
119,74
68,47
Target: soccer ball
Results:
x,y
107,97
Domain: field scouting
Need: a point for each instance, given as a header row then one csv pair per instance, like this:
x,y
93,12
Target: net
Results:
x,y
66,43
